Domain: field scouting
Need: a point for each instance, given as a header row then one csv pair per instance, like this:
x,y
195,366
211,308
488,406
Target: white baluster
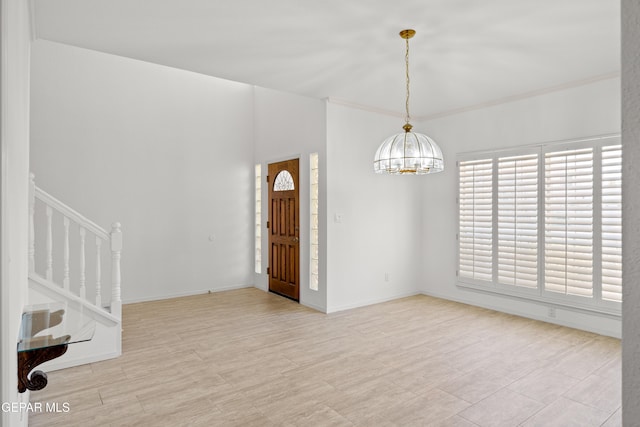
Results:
x,y
98,271
49,244
116,249
83,290
32,212
65,280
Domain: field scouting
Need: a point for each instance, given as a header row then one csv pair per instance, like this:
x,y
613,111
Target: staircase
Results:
x,y
67,255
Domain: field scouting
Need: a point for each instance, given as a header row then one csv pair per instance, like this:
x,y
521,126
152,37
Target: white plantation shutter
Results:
x,y
544,223
568,222
518,221
612,223
475,219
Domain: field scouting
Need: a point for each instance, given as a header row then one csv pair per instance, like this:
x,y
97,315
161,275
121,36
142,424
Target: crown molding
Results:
x,y
525,95
494,102
346,103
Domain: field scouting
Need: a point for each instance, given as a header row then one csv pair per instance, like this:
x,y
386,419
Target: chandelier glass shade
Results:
x,y
408,153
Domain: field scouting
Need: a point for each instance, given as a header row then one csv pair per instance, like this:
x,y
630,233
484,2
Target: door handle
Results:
x,y
296,240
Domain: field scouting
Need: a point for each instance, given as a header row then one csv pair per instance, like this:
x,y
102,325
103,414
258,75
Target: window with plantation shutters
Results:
x,y
518,221
544,223
475,204
568,222
612,223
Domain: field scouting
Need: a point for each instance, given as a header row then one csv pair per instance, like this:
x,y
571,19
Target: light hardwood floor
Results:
x,y
249,358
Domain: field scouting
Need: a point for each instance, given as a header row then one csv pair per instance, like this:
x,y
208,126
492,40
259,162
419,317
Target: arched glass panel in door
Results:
x,y
283,182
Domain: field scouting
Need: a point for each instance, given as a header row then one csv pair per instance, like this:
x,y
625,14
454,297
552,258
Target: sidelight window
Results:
x,y
314,241
258,219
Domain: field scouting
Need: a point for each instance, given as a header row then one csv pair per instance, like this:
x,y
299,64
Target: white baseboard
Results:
x,y
262,287
313,307
184,294
612,331
365,303
503,308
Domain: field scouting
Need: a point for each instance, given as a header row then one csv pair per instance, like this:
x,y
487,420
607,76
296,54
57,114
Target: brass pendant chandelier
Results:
x,y
408,153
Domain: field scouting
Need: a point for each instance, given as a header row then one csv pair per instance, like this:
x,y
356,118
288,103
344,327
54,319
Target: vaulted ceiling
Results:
x,y
465,52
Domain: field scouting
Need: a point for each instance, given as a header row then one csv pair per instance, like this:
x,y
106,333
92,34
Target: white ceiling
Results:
x,y
465,52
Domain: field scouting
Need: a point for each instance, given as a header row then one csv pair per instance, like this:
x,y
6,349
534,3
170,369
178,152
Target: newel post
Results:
x,y
32,211
116,249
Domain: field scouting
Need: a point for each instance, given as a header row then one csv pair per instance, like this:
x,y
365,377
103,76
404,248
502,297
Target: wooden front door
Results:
x,y
284,229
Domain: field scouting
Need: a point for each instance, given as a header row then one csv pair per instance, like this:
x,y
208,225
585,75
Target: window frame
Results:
x,y
540,293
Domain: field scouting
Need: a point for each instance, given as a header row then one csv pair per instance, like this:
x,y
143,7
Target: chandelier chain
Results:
x,y
406,60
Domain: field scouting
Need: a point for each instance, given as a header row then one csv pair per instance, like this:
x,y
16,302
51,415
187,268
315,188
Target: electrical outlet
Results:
x,y
552,312
386,277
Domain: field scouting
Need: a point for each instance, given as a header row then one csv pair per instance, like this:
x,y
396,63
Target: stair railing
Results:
x,y
102,238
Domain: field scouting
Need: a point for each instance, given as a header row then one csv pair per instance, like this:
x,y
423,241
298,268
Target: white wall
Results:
x,y
166,152
291,126
631,212
582,111
380,228
14,179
